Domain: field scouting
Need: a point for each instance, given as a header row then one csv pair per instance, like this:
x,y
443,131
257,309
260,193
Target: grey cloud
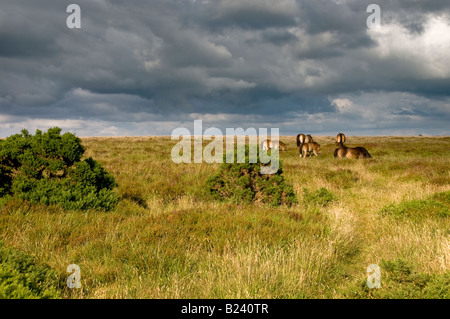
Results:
x,y
140,61
279,37
249,14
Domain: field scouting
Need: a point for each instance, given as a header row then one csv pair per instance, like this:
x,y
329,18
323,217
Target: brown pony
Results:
x,y
351,152
308,148
269,144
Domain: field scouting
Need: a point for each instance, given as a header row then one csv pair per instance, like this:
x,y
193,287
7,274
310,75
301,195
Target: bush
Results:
x,y
5,180
244,183
47,168
22,278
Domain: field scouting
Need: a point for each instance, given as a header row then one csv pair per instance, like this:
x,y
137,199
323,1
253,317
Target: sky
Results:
x,y
140,68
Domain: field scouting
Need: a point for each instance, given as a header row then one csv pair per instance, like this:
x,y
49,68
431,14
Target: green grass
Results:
x,y
401,281
320,197
437,206
167,238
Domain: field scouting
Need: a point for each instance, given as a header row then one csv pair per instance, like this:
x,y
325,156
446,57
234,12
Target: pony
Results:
x,y
351,152
269,144
307,148
302,138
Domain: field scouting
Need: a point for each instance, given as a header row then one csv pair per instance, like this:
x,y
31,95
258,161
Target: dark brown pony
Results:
x,y
351,152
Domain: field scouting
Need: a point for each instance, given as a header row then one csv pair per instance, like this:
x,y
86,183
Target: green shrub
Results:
x,y
22,278
47,168
5,180
244,183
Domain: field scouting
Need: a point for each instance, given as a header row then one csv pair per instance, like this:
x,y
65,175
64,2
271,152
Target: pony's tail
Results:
x,y
340,139
300,143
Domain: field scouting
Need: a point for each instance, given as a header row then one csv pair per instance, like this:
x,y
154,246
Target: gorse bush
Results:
x,y
47,168
5,180
244,183
22,278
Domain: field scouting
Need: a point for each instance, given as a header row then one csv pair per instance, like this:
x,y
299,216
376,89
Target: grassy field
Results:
x,y
167,239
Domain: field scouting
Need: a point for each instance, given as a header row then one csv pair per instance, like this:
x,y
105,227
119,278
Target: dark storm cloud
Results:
x,y
279,37
318,16
263,61
245,14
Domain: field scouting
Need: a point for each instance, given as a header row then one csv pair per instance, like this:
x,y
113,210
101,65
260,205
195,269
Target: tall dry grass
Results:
x,y
166,239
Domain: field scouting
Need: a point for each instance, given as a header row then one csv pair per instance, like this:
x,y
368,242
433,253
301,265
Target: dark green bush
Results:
x,y
47,168
5,180
244,183
22,278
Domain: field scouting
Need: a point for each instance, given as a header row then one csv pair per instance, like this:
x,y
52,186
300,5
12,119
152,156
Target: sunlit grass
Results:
x,y
167,239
